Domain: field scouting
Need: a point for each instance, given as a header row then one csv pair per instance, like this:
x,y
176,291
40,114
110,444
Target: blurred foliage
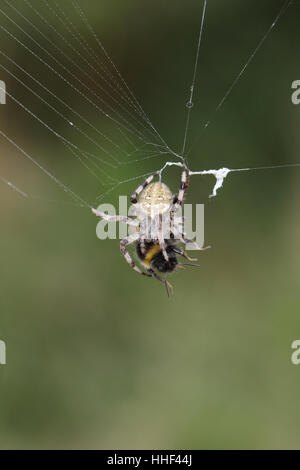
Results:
x,y
99,357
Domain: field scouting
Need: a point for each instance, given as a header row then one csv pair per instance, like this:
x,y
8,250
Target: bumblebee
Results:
x,y
152,257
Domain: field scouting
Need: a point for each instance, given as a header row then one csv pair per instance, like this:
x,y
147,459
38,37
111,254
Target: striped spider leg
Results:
x,y
181,236
115,218
123,244
126,241
178,200
133,198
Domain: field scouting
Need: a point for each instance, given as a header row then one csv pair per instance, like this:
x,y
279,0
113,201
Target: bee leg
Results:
x,y
168,286
183,253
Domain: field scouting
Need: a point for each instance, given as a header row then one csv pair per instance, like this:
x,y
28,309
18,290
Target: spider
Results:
x,y
156,229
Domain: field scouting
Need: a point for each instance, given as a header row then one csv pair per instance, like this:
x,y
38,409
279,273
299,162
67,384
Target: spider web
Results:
x,y
64,52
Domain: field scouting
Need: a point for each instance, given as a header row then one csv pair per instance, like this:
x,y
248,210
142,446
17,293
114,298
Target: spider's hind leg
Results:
x,y
123,244
186,241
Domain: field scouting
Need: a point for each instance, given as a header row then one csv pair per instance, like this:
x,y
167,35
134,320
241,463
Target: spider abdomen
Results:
x,y
156,198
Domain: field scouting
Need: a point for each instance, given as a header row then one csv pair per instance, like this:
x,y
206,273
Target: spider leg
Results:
x,y
161,238
164,281
182,237
133,198
123,244
187,241
163,247
178,200
143,246
114,218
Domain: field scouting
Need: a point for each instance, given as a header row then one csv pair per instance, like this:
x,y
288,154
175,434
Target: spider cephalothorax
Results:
x,y
156,228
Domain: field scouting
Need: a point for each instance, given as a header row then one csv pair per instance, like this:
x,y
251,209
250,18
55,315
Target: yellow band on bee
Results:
x,y
150,254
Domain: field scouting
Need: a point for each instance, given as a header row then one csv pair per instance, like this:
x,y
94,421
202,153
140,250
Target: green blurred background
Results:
x,y
99,357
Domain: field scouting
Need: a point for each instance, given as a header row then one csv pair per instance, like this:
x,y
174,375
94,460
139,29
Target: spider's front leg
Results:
x,y
133,198
178,200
